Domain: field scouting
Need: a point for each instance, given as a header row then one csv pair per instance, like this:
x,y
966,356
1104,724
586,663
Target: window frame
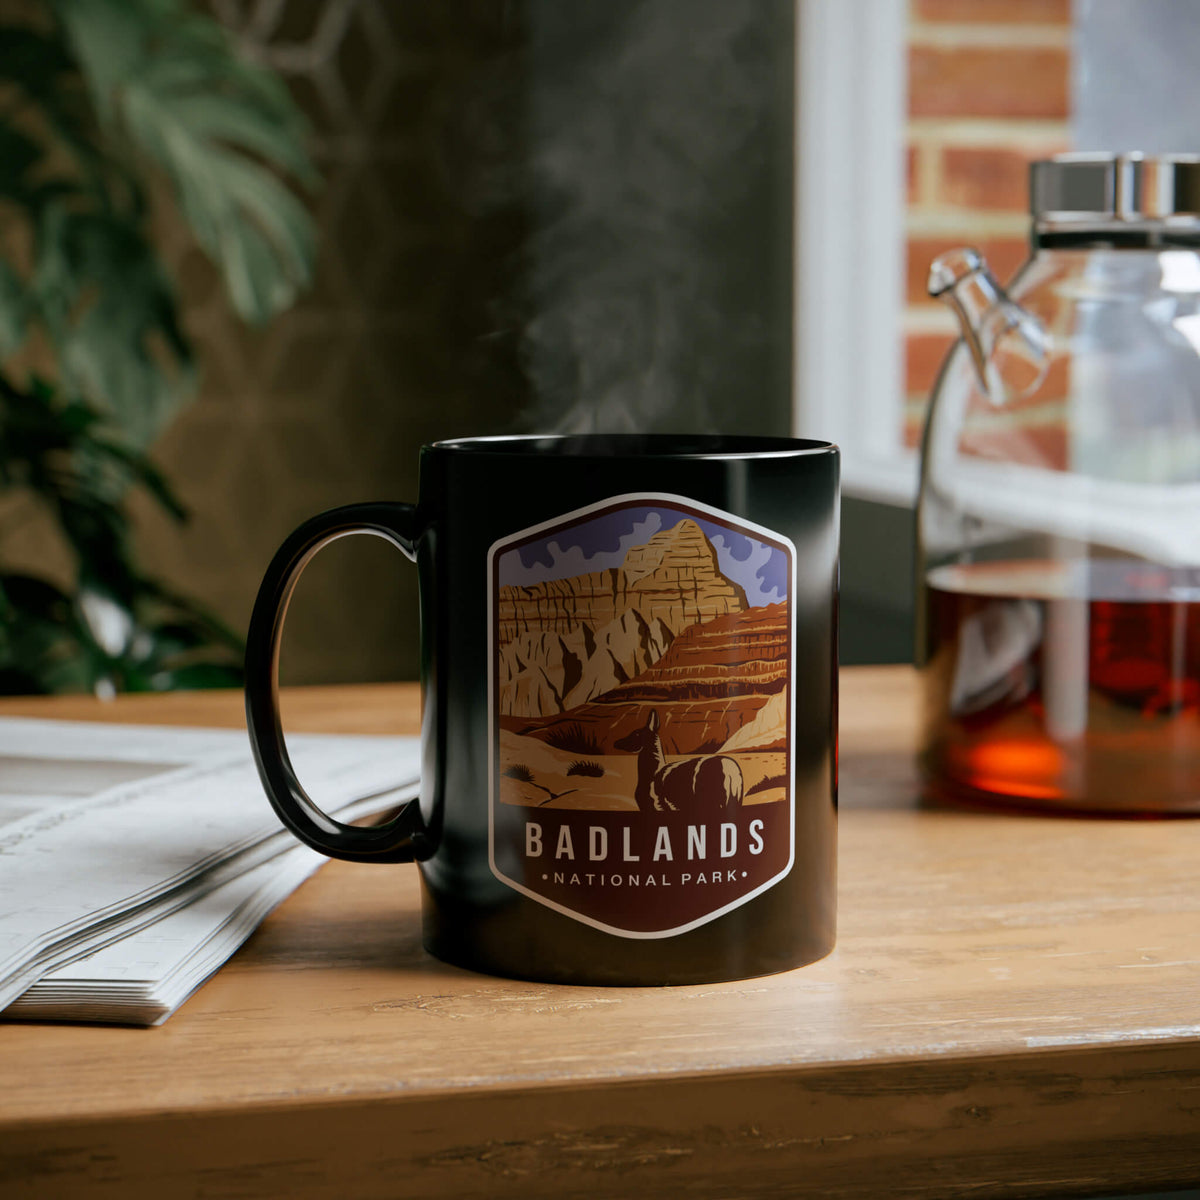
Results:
x,y
850,189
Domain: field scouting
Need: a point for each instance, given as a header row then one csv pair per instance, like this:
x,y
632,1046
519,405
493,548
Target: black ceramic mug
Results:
x,y
629,672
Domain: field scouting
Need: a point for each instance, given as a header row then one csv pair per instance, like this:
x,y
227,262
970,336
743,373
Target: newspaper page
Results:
x,y
105,830
142,978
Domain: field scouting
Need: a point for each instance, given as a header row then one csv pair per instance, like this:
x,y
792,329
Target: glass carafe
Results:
x,y
1059,512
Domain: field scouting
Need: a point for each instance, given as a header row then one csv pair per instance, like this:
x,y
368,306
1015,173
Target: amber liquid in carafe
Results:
x,y
1064,685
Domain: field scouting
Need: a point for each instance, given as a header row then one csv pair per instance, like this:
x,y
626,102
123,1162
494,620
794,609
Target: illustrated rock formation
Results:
x,y
551,672
767,730
565,642
717,681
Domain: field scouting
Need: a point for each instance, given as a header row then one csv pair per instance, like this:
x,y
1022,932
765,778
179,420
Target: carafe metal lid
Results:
x,y
1091,189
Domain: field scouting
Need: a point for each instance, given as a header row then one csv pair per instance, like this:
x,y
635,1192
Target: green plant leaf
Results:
x,y
42,648
49,99
175,90
18,154
142,471
107,38
33,61
65,456
47,643
111,313
90,103
14,310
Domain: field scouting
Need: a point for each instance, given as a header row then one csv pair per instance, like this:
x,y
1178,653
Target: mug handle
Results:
x,y
399,840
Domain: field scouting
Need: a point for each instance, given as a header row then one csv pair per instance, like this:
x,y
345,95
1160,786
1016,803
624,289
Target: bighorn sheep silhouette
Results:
x,y
706,784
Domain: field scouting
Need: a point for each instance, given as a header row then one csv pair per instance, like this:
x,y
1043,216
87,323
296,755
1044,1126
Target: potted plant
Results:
x,y
108,109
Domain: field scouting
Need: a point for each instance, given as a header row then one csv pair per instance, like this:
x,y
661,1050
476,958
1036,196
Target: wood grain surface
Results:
x,y
1013,1009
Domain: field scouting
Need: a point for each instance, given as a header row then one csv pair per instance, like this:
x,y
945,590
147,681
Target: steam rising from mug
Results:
x,y
657,267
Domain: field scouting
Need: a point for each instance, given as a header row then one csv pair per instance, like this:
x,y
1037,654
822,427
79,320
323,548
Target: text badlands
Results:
x,y
595,845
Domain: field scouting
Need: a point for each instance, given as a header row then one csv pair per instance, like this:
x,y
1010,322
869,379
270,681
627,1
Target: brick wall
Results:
x,y
988,92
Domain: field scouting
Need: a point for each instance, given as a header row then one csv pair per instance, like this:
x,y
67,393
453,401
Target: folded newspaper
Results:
x,y
134,860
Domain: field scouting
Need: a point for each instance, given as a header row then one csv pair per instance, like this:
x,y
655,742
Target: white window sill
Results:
x,y
850,189
890,480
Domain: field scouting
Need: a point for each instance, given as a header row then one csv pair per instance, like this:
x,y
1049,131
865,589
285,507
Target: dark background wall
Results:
x,y
877,583
399,342
535,215
658,268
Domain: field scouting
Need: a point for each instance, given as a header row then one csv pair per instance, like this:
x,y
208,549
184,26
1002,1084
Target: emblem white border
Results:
x,y
736,524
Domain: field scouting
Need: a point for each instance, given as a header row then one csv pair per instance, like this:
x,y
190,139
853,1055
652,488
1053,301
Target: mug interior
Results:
x,y
631,445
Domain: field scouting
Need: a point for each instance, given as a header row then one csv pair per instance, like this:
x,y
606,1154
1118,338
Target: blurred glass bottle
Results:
x,y
1059,511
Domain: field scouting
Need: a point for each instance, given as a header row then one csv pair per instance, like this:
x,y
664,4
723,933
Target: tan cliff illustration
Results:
x,y
567,641
655,682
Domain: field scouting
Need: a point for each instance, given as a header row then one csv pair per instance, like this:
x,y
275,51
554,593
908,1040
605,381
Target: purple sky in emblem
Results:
x,y
603,541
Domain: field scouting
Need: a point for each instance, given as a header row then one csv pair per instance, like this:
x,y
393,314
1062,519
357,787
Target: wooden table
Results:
x,y
1013,1009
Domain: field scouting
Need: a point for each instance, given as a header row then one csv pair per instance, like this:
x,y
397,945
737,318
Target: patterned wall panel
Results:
x,y
396,345
534,214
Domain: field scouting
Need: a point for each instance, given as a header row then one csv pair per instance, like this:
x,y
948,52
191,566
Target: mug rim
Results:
x,y
639,445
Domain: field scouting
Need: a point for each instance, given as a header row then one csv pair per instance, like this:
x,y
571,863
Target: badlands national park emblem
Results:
x,y
641,693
